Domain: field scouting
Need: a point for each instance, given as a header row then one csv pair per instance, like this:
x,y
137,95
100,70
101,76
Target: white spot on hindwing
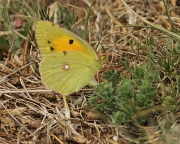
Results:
x,y
65,66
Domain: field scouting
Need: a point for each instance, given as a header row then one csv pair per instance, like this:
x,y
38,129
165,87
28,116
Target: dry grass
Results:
x,y
31,113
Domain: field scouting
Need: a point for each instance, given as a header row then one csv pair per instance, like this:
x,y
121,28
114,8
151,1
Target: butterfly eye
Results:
x,y
65,66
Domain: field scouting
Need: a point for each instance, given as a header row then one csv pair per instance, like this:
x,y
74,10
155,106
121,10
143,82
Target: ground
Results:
x,y
32,113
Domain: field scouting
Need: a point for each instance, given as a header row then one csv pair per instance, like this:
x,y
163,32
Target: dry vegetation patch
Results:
x,y
31,113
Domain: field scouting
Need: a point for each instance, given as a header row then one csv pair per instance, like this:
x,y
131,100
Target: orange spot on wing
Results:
x,y
62,44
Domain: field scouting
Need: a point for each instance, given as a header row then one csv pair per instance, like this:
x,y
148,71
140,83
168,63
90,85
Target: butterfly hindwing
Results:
x,y
67,73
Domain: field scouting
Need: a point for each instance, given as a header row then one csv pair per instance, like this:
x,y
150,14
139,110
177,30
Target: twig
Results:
x,y
4,78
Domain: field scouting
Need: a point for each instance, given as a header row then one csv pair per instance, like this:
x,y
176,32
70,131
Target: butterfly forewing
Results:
x,y
50,36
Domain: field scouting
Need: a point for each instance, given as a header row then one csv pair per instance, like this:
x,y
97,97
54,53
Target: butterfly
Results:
x,y
68,62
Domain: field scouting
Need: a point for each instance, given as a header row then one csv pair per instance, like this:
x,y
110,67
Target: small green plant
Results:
x,y
121,99
142,92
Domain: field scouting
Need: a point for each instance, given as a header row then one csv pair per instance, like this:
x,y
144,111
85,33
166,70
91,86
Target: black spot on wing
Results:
x,y
51,48
71,41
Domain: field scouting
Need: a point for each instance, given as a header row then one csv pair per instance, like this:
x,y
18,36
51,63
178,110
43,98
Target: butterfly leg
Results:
x,y
66,107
